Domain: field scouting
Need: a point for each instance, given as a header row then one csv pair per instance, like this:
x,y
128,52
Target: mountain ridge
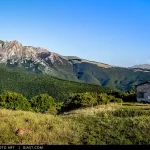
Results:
x,y
142,66
41,61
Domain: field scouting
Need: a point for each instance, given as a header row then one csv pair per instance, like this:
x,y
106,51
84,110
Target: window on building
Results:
x,y
141,95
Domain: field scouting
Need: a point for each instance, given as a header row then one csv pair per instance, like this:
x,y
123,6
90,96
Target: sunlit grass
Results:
x,y
46,129
103,124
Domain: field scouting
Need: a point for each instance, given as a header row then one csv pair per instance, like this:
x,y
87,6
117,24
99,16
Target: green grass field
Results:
x,y
109,124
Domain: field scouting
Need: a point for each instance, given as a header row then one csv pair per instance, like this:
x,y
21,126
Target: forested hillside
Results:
x,y
30,85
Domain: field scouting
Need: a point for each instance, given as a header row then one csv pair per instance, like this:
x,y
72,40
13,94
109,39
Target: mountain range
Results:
x,y
39,60
142,66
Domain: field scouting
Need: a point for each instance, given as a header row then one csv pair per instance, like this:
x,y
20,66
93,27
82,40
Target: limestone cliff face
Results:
x,y
35,59
15,51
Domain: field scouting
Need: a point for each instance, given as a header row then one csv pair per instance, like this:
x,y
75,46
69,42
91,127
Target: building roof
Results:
x,y
143,83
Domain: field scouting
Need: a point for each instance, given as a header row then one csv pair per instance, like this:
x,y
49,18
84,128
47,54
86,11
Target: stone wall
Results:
x,y
145,88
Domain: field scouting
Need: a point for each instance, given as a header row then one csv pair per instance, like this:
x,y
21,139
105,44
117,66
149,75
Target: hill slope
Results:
x,y
110,125
142,66
34,84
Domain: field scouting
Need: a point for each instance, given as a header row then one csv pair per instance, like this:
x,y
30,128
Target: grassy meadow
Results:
x,y
110,124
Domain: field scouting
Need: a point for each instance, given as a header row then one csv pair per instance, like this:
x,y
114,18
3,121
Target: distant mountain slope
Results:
x,y
41,61
143,66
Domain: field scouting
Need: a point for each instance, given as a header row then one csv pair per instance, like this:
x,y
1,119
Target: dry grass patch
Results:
x,y
46,129
94,110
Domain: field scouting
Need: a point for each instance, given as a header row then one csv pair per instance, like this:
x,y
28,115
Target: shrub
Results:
x,y
16,101
73,102
83,99
103,98
114,99
79,100
52,110
129,96
87,99
56,108
59,105
42,103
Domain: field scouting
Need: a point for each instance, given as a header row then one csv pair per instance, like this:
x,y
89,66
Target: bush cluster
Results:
x,y
42,103
128,96
16,101
45,103
88,99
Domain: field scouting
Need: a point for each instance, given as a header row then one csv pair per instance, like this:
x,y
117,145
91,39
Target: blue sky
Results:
x,y
115,32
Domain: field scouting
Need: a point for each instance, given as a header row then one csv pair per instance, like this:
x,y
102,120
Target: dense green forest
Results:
x,y
30,85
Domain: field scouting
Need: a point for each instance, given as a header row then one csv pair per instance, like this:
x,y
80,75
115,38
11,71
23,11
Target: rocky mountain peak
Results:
x,y
54,57
10,44
14,51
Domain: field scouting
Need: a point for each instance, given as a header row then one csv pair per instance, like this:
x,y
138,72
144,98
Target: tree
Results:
x,y
104,98
42,103
87,99
16,101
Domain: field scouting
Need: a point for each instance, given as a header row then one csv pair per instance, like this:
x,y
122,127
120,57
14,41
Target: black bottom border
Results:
x,y
71,147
